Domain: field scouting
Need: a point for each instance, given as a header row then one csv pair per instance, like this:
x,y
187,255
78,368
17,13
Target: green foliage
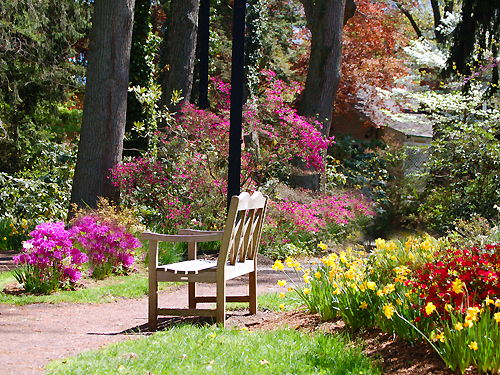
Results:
x,y
40,68
11,233
464,160
361,167
35,195
197,350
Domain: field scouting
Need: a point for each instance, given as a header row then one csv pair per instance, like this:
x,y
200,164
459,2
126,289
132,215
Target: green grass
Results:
x,y
201,350
108,290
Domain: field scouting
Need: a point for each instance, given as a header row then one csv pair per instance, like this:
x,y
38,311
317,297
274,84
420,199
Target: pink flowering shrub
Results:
x,y
303,220
50,261
110,248
187,183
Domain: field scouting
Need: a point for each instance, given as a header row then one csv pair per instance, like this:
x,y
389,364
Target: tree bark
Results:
x,y
180,48
105,104
325,20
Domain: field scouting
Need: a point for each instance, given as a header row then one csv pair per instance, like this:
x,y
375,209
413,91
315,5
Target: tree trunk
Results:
x,y
325,19
105,105
180,48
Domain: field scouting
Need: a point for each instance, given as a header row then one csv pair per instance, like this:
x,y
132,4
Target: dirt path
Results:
x,y
33,335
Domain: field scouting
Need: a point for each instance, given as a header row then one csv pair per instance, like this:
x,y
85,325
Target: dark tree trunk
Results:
x,y
180,48
325,20
105,105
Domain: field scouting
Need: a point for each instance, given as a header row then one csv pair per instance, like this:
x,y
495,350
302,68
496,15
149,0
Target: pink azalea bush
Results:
x,y
187,182
110,248
50,261
301,222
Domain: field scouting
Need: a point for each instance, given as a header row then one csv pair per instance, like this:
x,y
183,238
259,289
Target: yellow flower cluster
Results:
x,y
457,286
389,310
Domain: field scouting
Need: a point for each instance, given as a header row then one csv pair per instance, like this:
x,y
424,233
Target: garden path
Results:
x,y
33,335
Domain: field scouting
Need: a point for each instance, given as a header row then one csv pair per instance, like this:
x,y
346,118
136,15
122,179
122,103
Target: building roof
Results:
x,y
386,112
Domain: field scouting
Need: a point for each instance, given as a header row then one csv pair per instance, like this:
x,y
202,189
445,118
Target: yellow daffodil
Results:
x,y
282,306
430,308
349,274
306,278
281,282
468,323
440,337
473,345
389,310
472,313
459,326
371,285
389,288
457,286
496,316
488,301
317,275
497,302
282,295
306,290
322,246
278,266
363,305
290,289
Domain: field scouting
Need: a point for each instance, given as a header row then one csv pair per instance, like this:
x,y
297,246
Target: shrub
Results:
x,y
110,248
300,219
188,179
38,194
50,261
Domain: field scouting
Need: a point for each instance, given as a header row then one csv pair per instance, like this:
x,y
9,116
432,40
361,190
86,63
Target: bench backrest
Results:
x,y
244,223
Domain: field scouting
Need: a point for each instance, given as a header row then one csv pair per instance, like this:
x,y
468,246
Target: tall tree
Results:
x,y
325,20
105,105
179,50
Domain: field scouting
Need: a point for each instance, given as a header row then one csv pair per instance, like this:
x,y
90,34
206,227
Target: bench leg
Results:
x,y
153,304
252,291
153,286
192,295
221,303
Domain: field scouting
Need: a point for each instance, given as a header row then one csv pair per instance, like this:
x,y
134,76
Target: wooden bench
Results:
x,y
237,257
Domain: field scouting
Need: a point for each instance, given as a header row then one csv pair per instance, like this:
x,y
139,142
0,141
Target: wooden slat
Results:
x,y
208,299
206,276
187,312
189,266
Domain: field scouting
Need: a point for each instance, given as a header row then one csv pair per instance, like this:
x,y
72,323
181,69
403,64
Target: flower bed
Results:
x,y
449,298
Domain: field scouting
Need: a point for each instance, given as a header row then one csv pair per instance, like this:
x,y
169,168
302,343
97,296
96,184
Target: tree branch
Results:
x,y
410,18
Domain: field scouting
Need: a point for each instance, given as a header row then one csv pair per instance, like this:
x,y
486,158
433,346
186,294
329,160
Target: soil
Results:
x,y
33,335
